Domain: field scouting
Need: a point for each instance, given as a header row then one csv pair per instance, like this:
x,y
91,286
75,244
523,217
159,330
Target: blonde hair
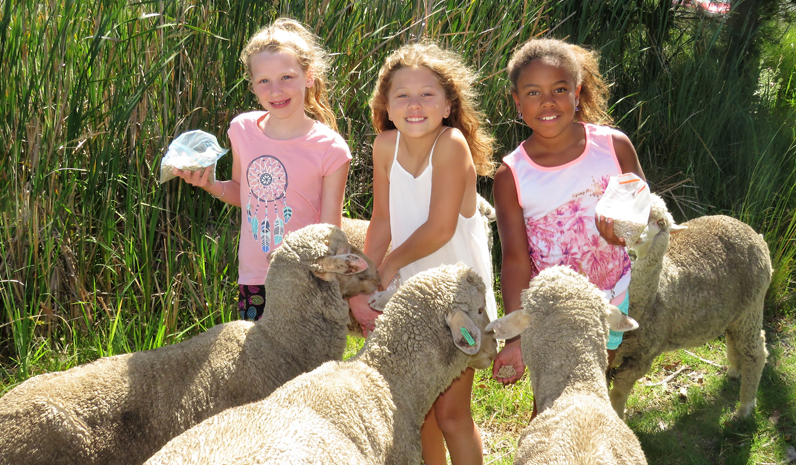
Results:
x,y
582,64
456,79
288,35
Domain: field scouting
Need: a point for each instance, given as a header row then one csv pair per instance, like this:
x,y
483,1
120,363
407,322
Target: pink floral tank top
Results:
x,y
558,207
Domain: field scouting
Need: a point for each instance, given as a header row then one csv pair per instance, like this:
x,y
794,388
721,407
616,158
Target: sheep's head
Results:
x,y
660,225
324,250
450,298
560,293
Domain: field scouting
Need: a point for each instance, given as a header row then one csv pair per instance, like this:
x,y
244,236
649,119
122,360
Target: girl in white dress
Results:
x,y
429,150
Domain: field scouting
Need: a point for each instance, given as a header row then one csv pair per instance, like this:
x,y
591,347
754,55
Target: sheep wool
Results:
x,y
564,324
690,284
123,409
368,409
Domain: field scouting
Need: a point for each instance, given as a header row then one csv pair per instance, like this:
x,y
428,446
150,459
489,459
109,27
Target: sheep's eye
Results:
x,y
481,310
661,224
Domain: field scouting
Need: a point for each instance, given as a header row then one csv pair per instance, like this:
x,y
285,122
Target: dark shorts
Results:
x,y
251,301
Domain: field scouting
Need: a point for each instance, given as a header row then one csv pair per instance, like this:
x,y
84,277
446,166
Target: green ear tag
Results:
x,y
467,336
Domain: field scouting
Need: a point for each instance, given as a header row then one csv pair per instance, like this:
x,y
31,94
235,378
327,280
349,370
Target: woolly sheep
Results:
x,y
368,409
564,324
710,278
123,409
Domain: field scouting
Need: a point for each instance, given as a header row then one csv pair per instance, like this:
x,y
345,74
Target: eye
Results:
x,y
533,93
481,310
285,78
661,224
561,90
263,81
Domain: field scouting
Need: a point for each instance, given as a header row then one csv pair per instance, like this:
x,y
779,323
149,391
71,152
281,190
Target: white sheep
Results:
x,y
564,324
123,409
709,279
368,409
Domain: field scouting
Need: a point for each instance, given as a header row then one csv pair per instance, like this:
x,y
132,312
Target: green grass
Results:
x,y
97,258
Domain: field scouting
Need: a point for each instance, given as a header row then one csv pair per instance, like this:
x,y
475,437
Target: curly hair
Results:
x,y
457,80
582,64
286,34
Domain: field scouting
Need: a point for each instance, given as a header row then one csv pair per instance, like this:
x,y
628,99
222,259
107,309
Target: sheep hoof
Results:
x,y
745,410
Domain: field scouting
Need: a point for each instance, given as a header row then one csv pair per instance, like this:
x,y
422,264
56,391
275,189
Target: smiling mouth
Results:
x,y
548,118
280,104
415,119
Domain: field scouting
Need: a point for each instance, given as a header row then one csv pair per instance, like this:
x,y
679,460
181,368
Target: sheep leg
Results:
x,y
630,371
746,352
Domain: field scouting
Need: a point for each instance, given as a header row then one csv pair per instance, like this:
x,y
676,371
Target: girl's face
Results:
x,y
279,83
546,96
416,101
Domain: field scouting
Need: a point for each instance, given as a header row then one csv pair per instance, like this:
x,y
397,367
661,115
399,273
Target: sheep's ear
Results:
x,y
618,321
326,267
674,228
466,334
510,325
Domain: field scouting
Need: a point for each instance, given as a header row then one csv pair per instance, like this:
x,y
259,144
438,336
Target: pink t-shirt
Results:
x,y
558,207
281,186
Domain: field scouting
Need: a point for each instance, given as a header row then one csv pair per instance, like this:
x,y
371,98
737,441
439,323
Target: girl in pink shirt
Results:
x,y
289,165
547,188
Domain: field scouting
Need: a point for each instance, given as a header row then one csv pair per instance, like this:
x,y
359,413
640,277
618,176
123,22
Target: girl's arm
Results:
x,y
332,194
515,273
379,235
226,191
452,166
628,162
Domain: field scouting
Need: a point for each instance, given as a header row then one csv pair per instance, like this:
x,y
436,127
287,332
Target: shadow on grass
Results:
x,y
703,428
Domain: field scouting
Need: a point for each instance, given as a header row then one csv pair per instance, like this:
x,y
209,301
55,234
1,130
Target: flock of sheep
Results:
x,y
277,391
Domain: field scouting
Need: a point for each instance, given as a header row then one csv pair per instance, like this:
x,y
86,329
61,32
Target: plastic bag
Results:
x,y
627,202
192,150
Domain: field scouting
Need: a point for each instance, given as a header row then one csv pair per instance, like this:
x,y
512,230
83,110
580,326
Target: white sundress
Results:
x,y
410,200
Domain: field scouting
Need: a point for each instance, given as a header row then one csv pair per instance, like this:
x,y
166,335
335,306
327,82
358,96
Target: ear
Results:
x,y
447,111
462,326
345,264
511,325
379,300
618,321
310,78
516,98
674,228
577,95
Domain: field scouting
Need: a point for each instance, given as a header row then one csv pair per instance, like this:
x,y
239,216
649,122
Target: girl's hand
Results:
x,y
606,228
511,355
198,178
386,273
363,313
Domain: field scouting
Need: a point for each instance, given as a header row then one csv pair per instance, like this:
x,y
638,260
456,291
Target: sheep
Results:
x,y
710,278
123,409
564,324
368,409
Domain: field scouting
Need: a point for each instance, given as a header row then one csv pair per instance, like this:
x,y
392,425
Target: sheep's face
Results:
x,y
363,282
660,224
324,251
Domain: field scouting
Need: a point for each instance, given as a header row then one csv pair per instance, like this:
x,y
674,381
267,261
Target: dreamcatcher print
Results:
x,y
267,180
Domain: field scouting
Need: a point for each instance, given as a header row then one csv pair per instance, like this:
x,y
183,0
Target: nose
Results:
x,y
548,101
414,102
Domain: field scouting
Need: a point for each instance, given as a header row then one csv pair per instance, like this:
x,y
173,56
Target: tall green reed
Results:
x,y
98,258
